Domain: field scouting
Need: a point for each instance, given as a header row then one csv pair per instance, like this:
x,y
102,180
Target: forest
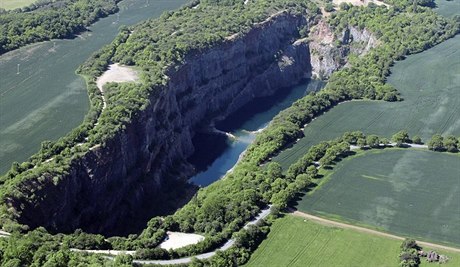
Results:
x,y
222,208
46,20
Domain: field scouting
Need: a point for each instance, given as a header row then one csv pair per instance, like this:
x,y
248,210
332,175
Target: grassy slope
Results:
x,y
12,4
391,190
295,242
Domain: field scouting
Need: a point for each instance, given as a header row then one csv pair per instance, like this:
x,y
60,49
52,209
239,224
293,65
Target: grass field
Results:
x,y
447,8
430,84
12,4
295,242
46,100
406,192
413,193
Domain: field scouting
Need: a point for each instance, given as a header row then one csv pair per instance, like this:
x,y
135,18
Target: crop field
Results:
x,y
430,85
46,99
447,8
12,4
406,192
295,242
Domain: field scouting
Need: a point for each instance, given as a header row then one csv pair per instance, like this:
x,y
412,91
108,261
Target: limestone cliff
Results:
x,y
111,183
329,52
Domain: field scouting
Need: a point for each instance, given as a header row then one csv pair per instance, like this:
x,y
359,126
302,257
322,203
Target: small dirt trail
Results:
x,y
366,230
4,234
115,73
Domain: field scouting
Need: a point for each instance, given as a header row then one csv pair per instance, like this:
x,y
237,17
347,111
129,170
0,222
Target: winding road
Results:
x,y
262,215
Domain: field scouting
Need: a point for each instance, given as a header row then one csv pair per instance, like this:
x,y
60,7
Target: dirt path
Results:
x,y
366,230
360,2
115,73
4,234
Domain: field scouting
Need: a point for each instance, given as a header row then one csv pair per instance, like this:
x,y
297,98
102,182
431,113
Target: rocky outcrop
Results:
x,y
329,52
145,162
111,182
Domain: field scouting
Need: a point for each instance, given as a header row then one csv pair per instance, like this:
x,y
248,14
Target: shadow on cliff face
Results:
x,y
237,120
208,147
260,111
175,193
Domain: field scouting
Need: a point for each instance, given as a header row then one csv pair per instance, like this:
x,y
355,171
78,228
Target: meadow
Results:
x,y
294,241
429,82
405,192
13,4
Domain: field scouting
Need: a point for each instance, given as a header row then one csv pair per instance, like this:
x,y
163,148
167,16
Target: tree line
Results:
x,y
124,101
48,20
224,207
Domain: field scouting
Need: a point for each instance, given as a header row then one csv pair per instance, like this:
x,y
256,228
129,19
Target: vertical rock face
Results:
x,y
142,163
329,53
110,183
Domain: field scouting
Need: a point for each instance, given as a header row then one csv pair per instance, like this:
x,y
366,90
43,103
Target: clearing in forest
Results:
x,y
412,193
359,2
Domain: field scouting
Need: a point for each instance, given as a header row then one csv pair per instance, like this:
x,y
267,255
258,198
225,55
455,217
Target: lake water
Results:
x,y
218,156
45,99
215,156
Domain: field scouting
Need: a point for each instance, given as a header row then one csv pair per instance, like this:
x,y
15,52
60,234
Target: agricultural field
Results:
x,y
447,8
412,193
12,4
431,104
294,241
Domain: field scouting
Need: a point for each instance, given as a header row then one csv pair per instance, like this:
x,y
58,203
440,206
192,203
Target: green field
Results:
x,y
406,192
46,100
295,242
430,84
12,4
447,8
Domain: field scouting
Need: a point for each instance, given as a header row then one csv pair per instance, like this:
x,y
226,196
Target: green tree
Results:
x,y
312,171
329,7
384,141
123,260
451,143
373,141
361,142
436,143
400,138
274,170
344,6
196,263
417,140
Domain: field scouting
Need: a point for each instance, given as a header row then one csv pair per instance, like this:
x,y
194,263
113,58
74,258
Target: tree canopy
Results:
x,y
46,20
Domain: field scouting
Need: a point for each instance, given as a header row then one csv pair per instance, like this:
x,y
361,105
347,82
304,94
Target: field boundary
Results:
x,y
366,230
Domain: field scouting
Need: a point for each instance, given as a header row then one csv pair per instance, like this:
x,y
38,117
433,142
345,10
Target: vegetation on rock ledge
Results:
x,y
224,207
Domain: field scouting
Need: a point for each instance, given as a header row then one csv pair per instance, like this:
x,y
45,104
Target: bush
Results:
x,y
329,7
436,143
417,140
409,254
400,138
